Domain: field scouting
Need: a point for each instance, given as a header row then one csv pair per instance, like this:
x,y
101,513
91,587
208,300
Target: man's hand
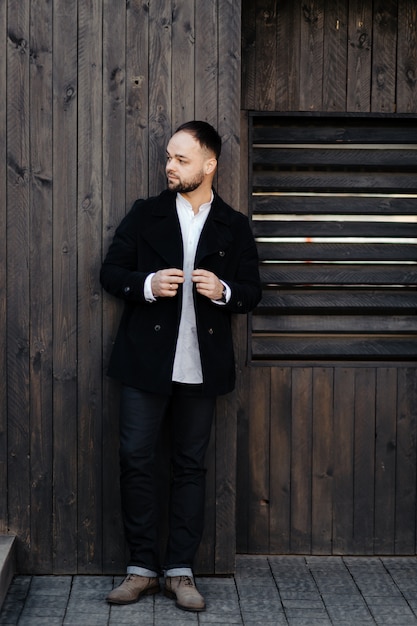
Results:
x,y
207,284
165,282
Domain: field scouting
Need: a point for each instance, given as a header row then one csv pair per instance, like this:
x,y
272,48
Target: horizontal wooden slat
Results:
x,y
331,300
334,157
333,205
336,347
334,181
366,131
338,274
298,323
336,252
310,228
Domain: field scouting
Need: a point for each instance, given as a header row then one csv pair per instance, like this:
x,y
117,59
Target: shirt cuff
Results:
x,y
147,289
228,294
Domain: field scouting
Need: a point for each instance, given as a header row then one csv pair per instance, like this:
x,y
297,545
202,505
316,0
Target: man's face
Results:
x,y
187,161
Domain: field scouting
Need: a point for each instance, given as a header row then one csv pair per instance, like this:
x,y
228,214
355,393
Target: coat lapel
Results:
x,y
216,235
164,232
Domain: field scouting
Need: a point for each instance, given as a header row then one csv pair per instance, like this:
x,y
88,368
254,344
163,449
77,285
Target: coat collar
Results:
x,y
164,231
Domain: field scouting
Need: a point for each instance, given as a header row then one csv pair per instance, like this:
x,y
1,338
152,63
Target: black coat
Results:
x,y
149,239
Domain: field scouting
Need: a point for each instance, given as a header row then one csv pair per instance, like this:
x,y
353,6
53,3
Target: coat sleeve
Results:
x,y
119,275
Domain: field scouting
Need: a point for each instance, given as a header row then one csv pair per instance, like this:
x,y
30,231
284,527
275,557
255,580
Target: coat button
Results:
x,y
222,252
211,331
239,303
157,327
126,290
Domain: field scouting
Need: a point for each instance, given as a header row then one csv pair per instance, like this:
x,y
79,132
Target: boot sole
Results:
x,y
147,592
172,596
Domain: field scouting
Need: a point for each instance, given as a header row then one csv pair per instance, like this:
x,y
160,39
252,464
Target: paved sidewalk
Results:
x,y
266,591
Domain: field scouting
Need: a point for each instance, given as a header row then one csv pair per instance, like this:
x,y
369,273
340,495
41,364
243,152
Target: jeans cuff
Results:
x,y
179,571
141,571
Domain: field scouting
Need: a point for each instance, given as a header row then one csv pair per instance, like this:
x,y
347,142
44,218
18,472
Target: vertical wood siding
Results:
x,y
329,55
331,448
91,92
332,461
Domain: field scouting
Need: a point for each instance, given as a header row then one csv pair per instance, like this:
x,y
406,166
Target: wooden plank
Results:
x,y
311,56
242,355
343,487
316,181
229,16
137,106
384,57
333,156
336,252
349,129
337,274
89,330
183,62
280,461
385,460
266,55
335,55
113,204
259,461
41,286
364,462
301,460
18,255
351,300
405,488
3,266
207,62
228,95
159,94
248,54
329,228
406,75
374,324
244,418
328,204
322,461
337,347
287,97
65,288
359,56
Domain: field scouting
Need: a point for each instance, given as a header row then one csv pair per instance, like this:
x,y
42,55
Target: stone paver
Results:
x,y
265,591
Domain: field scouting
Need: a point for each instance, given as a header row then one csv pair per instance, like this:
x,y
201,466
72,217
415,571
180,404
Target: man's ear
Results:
x,y
211,165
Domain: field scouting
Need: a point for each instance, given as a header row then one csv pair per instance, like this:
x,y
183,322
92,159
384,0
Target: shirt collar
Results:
x,y
184,204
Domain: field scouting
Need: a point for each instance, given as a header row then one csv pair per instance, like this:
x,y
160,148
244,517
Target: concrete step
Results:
x,y
7,564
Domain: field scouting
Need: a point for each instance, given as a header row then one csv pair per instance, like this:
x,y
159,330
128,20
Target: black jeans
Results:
x,y
141,417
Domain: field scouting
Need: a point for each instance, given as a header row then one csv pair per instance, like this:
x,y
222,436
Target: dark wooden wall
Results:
x,y
330,55
327,452
90,93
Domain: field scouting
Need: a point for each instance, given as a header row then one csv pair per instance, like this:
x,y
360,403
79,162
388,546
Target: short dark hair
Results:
x,y
205,134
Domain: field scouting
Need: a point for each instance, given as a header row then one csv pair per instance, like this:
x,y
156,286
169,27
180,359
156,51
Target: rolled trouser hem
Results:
x,y
141,571
179,571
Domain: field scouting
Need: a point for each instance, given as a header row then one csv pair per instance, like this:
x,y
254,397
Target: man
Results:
x,y
182,262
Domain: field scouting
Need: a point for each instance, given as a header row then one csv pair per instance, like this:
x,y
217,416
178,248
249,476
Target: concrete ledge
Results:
x,y
7,564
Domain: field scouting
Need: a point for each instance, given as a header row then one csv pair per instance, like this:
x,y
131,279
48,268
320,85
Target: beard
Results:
x,y
186,186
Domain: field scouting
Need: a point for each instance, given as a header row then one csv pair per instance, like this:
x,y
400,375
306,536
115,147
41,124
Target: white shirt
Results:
x,y
187,362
